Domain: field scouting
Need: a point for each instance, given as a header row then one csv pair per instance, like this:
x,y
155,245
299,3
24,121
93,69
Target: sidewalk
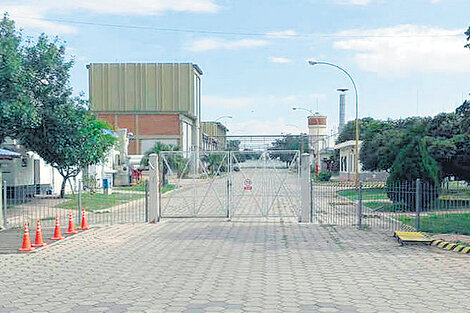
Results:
x,y
191,265
11,239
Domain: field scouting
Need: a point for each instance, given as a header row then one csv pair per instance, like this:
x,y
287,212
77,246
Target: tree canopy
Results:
x,y
17,107
445,137
37,107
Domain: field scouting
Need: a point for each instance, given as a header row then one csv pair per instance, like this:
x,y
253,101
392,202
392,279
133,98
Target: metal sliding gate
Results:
x,y
230,184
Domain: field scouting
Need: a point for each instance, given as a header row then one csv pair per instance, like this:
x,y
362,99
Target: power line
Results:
x,y
224,33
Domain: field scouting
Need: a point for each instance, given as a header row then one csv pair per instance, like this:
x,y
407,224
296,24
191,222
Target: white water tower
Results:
x,y
317,130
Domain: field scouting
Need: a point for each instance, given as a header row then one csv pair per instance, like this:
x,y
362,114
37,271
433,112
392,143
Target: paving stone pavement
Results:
x,y
241,266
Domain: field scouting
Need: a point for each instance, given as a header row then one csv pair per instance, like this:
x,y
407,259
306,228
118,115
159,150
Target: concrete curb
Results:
x,y
57,242
451,246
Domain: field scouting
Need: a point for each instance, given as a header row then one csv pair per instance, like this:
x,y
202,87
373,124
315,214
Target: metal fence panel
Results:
x,y
230,184
405,205
194,184
265,184
119,205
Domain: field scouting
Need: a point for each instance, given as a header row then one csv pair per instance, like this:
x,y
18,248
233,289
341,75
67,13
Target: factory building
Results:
x,y
156,102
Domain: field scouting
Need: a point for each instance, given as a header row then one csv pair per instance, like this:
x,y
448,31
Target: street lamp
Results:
x,y
225,116
304,109
312,62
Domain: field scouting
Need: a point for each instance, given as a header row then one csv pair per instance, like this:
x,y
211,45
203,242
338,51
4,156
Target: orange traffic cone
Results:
x,y
71,229
26,239
85,225
57,231
39,242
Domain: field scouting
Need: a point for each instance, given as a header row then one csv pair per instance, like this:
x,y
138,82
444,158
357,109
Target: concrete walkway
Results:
x,y
243,266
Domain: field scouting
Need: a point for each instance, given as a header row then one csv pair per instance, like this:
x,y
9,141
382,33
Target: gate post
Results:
x,y
305,188
154,212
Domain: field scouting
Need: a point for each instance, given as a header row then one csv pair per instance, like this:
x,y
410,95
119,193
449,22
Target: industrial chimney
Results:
x,y
342,109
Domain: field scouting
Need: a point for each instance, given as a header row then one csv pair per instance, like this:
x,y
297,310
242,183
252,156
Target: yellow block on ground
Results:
x,y
412,236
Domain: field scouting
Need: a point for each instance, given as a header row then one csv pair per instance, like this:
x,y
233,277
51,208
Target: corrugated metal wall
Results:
x,y
213,129
144,87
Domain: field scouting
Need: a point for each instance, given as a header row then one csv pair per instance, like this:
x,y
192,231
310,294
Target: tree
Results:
x,y
157,148
383,141
173,162
367,127
17,109
233,145
37,107
69,139
413,162
467,33
449,142
288,143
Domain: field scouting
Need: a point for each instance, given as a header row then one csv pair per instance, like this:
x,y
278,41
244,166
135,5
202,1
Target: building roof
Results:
x,y
195,66
8,154
347,144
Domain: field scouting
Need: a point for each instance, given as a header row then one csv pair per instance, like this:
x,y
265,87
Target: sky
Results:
x,y
407,57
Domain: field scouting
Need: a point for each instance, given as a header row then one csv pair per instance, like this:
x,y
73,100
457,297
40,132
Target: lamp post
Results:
x,y
312,63
221,117
304,109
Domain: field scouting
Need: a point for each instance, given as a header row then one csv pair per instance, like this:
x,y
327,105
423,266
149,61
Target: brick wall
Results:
x,y
153,124
148,126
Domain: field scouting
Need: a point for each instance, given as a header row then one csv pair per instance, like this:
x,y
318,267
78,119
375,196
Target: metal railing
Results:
x,y
121,205
407,205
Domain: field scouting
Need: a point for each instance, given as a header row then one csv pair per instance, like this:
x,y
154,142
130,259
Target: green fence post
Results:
x,y
418,203
2,207
359,206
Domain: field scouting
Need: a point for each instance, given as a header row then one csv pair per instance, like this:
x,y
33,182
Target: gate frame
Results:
x,y
154,199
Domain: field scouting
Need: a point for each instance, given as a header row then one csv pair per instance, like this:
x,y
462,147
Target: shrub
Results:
x,y
413,162
324,176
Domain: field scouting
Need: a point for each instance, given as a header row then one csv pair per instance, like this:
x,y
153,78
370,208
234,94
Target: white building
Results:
x,y
30,175
347,164
115,168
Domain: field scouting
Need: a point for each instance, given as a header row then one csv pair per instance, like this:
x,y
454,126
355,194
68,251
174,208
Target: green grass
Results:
x,y
141,187
167,188
458,223
367,194
96,202
385,206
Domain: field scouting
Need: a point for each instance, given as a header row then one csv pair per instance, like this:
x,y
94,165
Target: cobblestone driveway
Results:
x,y
243,266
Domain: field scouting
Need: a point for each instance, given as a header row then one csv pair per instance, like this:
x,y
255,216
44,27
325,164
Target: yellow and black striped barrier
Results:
x,y
451,246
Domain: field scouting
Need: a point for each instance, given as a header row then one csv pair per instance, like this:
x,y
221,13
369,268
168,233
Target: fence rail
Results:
x,y
122,205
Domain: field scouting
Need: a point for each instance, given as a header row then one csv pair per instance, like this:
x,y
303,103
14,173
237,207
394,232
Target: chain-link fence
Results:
x,y
103,206
408,205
